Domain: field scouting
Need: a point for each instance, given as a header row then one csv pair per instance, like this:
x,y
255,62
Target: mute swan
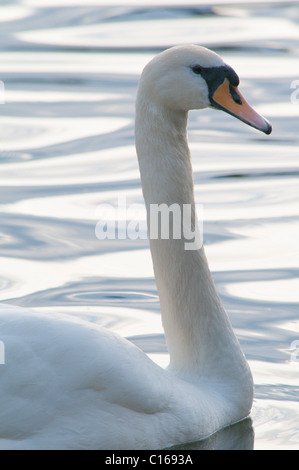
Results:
x,y
68,384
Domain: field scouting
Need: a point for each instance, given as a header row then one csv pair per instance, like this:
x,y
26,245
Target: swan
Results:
x,y
69,384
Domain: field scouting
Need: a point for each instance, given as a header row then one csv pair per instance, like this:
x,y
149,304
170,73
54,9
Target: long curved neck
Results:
x,y
198,333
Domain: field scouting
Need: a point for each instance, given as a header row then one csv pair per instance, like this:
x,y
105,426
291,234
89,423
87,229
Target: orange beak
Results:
x,y
229,99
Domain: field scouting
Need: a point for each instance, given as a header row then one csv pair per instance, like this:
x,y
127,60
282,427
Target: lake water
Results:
x,y
70,72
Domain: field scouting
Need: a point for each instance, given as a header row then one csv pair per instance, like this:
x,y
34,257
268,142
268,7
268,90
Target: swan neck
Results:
x,y
197,330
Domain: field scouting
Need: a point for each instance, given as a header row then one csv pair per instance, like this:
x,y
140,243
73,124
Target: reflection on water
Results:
x,y
70,70
240,436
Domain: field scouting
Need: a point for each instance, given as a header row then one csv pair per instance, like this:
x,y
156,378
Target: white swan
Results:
x,y
68,384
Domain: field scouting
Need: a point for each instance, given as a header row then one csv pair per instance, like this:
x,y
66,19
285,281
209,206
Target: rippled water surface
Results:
x,y
70,70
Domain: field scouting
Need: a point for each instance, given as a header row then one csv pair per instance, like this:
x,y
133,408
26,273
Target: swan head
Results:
x,y
183,78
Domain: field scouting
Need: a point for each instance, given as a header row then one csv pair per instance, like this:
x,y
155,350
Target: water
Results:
x,y
70,70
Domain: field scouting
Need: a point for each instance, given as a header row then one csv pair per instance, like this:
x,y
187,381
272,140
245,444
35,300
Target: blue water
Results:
x,y
70,72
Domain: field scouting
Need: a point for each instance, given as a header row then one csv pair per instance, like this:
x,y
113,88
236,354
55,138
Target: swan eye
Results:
x,y
197,69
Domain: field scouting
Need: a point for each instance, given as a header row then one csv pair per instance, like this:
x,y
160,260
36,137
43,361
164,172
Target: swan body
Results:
x,y
69,384
72,385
